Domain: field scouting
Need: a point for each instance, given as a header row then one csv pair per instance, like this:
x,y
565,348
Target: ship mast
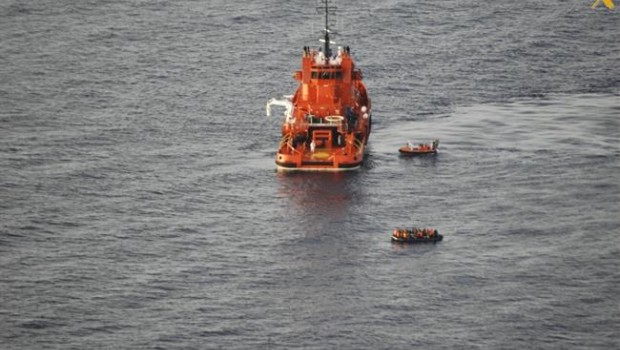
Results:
x,y
327,8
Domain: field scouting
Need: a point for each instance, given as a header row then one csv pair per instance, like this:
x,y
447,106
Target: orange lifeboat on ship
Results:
x,y
327,121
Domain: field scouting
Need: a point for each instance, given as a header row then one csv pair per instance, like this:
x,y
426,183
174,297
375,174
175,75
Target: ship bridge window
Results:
x,y
326,75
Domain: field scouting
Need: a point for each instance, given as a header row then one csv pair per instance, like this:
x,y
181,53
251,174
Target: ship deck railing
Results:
x,y
320,122
288,141
359,145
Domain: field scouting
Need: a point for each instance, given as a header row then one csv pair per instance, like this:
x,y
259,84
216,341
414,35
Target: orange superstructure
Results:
x,y
328,119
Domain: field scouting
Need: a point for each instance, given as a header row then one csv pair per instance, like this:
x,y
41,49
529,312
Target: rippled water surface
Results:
x,y
140,207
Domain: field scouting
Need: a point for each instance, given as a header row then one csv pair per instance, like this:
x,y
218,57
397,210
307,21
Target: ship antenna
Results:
x,y
327,53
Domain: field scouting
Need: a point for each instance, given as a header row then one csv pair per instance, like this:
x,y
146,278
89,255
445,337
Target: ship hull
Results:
x,y
326,167
414,240
321,160
406,151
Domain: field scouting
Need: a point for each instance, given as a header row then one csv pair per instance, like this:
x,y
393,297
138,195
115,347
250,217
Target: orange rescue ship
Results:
x,y
327,121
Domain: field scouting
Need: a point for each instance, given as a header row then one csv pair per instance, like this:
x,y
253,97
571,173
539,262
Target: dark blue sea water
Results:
x,y
140,207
